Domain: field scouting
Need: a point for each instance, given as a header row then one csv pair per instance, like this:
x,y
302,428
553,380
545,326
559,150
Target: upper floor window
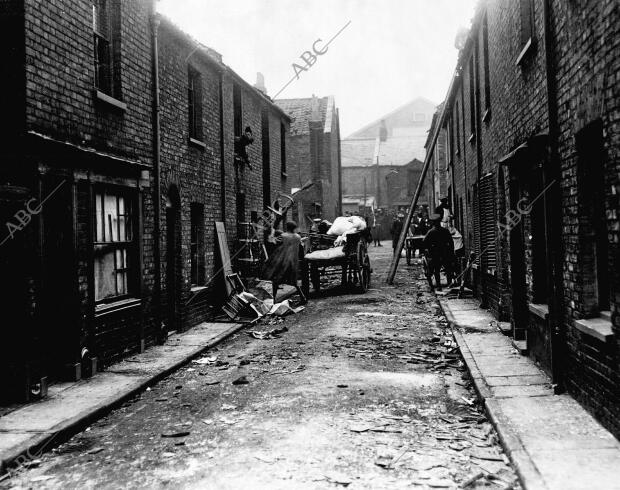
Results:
x,y
106,39
485,54
526,9
458,129
283,147
194,102
237,119
472,99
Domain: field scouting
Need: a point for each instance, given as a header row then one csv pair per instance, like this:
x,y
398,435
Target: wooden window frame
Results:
x,y
103,244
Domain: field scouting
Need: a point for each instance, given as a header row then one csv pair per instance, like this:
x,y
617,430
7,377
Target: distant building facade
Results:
x,y
314,149
383,159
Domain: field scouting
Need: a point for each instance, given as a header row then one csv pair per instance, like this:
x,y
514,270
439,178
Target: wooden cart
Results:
x,y
353,266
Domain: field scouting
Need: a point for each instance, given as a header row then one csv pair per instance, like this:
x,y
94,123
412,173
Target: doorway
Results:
x,y
58,295
173,260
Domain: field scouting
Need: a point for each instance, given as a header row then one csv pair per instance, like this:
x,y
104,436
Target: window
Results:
x,y
485,54
419,117
106,35
194,102
472,100
458,130
449,140
237,121
197,244
526,8
114,245
594,242
527,21
487,224
283,147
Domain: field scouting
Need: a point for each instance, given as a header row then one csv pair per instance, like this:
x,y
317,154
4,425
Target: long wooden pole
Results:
x,y
414,201
401,239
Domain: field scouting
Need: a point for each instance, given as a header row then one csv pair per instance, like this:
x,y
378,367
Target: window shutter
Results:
x,y
487,219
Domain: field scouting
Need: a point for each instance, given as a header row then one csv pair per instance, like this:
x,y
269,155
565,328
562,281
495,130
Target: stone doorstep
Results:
x,y
17,436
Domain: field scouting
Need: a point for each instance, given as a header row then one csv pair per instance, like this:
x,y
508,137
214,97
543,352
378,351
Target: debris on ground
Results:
x,y
269,334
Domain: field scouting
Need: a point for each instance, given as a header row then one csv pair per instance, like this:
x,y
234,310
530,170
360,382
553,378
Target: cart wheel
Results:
x,y
363,267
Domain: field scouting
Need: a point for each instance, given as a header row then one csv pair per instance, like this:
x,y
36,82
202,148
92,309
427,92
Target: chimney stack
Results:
x,y
383,131
260,83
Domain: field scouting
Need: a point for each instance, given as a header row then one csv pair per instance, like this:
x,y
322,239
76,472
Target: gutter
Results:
x,y
553,214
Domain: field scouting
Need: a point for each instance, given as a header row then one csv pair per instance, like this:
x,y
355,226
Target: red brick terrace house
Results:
x,y
531,130
314,155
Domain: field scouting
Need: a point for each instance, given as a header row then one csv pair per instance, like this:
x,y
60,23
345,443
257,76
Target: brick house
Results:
x,y
110,109
530,128
204,106
77,262
314,150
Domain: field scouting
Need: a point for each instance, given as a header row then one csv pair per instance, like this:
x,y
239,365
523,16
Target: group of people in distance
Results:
x,y
442,244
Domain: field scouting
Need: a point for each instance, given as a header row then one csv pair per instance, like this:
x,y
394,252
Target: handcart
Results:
x,y
350,262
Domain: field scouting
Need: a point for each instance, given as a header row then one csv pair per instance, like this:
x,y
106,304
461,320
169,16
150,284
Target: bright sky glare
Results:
x,y
393,50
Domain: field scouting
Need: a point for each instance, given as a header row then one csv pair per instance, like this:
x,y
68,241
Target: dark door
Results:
x,y
517,267
173,261
58,296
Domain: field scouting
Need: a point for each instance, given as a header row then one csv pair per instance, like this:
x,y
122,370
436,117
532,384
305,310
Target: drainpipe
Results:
x,y
222,152
553,214
161,336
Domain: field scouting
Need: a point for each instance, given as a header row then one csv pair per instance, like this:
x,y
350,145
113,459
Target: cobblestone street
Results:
x,y
361,391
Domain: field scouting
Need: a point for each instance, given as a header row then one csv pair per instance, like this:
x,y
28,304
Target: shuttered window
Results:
x,y
488,223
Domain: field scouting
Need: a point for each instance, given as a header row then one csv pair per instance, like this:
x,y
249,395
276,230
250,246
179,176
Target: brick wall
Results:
x,y
584,46
586,60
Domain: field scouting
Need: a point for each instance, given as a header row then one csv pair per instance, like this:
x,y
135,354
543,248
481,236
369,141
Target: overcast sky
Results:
x,y
391,52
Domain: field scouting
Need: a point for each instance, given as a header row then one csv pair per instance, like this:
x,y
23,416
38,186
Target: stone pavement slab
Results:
x,y
71,406
553,442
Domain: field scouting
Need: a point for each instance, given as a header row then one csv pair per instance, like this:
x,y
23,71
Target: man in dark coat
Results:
x,y
396,229
439,248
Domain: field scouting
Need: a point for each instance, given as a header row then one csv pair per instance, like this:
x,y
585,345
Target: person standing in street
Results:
x,y
439,248
396,229
283,264
376,231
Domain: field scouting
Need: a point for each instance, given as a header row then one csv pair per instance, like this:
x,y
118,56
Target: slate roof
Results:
x,y
300,111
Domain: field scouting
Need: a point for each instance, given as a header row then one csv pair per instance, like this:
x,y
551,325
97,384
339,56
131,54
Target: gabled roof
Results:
x,y
419,102
301,112
395,151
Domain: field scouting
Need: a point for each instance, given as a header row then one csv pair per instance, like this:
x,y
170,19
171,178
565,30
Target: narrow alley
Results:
x,y
357,391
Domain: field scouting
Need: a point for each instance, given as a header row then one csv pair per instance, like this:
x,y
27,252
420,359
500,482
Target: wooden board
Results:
x,y
222,243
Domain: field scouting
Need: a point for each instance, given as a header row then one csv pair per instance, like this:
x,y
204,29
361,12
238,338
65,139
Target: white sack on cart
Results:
x,y
347,224
330,253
